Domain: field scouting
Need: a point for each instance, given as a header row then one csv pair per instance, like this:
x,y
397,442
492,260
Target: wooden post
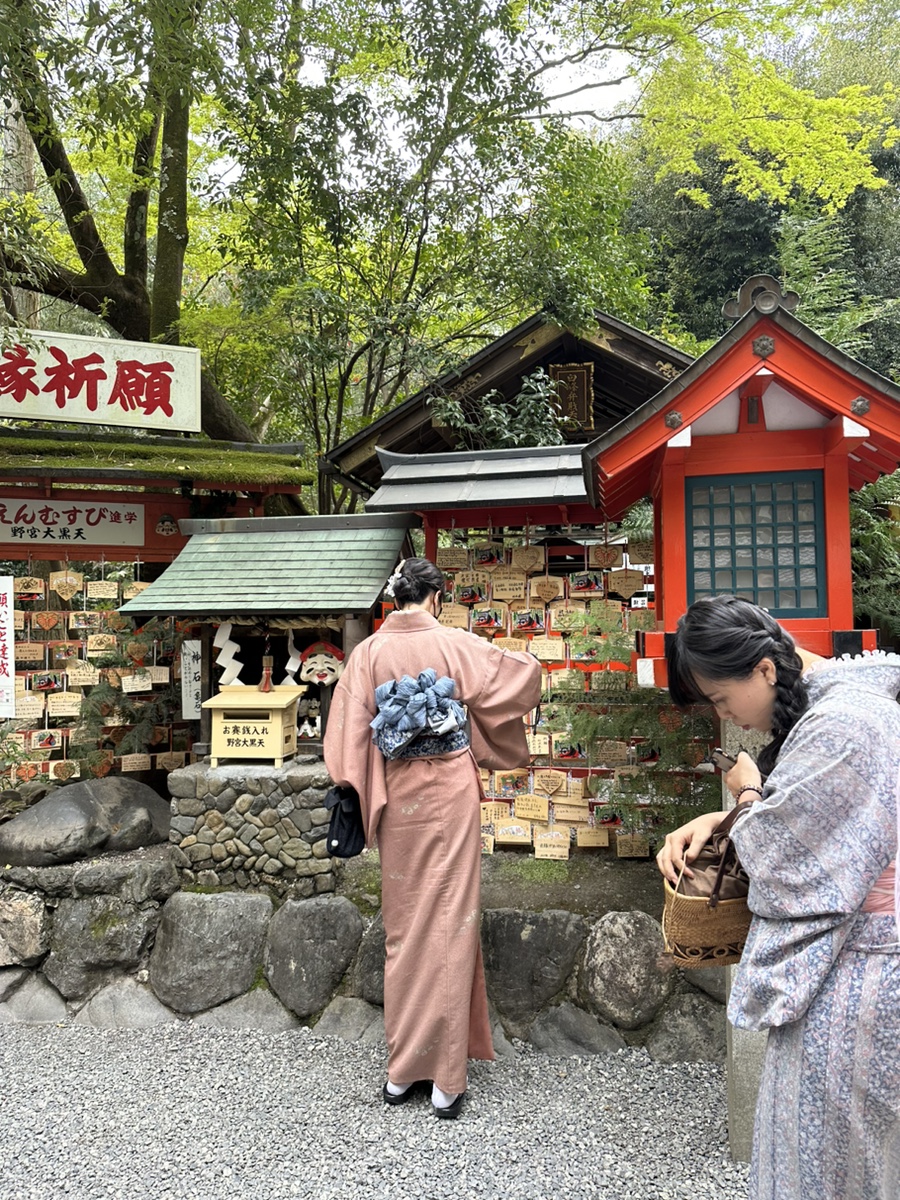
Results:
x,y
206,664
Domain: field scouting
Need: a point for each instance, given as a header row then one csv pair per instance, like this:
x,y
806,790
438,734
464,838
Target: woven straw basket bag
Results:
x,y
706,919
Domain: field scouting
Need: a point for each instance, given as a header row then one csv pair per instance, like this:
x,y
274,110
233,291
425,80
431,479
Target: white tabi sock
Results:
x,y
395,1089
442,1099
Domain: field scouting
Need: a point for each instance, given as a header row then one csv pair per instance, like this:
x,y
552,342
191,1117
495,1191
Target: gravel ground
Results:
x,y
186,1113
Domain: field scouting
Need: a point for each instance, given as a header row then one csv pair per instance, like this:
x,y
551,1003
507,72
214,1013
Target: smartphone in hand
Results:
x,y
723,761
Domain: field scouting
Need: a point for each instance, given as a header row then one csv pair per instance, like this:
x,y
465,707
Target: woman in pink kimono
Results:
x,y
398,733
821,967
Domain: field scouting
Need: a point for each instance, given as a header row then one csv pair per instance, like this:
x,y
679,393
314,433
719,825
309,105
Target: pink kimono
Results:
x,y
424,813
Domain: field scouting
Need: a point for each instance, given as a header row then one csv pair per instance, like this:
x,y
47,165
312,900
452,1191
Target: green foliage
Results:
x,y
875,554
815,260
531,418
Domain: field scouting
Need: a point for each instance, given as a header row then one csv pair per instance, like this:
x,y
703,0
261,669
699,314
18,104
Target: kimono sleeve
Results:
x,y
813,848
511,688
349,753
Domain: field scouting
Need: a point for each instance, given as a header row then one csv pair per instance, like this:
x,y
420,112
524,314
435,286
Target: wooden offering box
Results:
x,y
247,723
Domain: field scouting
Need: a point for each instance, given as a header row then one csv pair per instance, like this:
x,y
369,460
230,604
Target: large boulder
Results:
x,y
24,928
81,819
256,1009
690,1028
208,948
33,1002
310,945
93,937
528,957
567,1030
354,1020
621,979
124,1004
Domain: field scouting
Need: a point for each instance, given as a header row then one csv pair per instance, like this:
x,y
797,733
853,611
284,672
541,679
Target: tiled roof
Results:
x,y
277,566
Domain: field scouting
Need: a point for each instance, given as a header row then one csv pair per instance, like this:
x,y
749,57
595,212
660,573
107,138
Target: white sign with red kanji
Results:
x,y
70,522
7,653
66,377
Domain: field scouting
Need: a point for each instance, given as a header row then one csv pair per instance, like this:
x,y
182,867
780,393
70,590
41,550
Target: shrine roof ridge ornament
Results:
x,y
762,292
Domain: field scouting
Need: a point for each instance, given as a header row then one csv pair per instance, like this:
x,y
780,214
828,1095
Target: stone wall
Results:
x,y
116,942
253,826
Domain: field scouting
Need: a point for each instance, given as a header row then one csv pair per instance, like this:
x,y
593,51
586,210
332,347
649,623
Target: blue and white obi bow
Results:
x,y
408,708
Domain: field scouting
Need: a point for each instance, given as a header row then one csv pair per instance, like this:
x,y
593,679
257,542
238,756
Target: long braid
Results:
x,y
791,700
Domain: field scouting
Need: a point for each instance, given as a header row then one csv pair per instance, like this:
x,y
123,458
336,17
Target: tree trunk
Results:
x,y
172,225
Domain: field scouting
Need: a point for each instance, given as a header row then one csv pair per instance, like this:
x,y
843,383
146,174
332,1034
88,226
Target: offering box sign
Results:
x,y
67,377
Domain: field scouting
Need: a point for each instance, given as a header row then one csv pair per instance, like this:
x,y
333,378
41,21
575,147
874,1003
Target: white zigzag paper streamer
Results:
x,y
232,666
293,663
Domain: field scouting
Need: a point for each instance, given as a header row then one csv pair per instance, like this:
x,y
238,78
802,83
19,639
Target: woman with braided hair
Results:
x,y
397,732
818,839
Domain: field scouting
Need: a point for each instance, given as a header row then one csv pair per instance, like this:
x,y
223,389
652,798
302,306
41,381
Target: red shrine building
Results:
x,y
749,455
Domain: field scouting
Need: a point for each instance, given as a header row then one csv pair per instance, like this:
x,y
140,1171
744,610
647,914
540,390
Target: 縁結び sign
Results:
x,y
69,522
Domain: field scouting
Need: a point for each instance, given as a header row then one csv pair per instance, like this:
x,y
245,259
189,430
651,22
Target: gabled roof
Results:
x,y
277,566
546,475
617,463
629,365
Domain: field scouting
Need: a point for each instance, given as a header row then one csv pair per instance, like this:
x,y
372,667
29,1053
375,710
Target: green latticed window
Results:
x,y
758,536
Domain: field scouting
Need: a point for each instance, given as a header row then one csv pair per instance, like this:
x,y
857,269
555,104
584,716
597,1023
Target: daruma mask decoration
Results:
x,y
321,663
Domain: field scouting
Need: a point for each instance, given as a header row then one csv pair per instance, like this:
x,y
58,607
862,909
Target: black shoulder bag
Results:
x,y
346,836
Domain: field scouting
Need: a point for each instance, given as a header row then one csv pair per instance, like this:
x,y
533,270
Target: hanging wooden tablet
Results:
x,y
632,845
454,616
525,618
488,556
82,674
610,752
548,782
567,616
131,590
548,649
30,652
511,783
116,622
640,552
487,843
18,619
626,583
545,588
513,832
531,807
65,769
604,557
510,643
528,558
134,762
30,706
538,744
64,704
171,760
552,843
102,589
570,813
84,621
508,584
583,583
28,587
66,583
452,558
596,835
101,643
489,617
493,811
472,587
47,619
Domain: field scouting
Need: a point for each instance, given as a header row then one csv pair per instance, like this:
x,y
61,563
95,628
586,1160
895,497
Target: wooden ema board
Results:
x,y
632,845
552,843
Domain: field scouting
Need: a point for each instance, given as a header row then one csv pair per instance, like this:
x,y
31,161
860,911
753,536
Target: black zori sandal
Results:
x,y
452,1111
390,1098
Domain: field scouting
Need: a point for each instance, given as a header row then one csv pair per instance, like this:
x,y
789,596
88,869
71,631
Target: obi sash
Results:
x,y
418,718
